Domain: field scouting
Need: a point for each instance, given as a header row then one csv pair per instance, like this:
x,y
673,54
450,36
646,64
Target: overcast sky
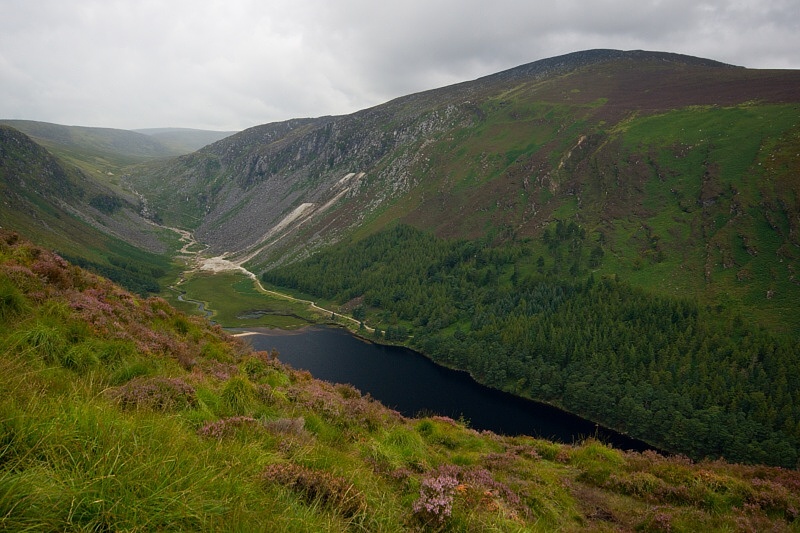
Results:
x,y
232,64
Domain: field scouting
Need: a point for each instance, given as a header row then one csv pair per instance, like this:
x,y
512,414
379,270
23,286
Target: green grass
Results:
x,y
235,302
717,197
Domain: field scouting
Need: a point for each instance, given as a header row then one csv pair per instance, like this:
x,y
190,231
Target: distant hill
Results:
x,y
114,145
107,151
62,207
184,140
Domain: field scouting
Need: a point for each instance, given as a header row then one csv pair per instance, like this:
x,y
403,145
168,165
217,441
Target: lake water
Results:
x,y
412,384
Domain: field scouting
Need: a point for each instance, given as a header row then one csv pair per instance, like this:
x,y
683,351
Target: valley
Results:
x,y
278,306
615,233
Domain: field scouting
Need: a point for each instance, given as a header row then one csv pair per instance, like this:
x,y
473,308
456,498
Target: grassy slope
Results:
x,y
700,200
117,146
121,413
726,177
51,202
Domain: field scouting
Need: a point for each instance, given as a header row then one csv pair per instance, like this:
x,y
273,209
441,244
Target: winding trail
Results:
x,y
197,262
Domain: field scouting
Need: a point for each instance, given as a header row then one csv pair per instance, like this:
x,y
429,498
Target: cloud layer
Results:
x,y
237,63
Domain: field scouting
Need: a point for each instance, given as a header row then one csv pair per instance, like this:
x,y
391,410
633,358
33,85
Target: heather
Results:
x,y
120,413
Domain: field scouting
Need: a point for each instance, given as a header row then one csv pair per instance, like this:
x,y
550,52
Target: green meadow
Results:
x,y
234,301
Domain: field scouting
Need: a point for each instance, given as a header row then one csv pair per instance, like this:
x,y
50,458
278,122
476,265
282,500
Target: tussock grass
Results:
x,y
12,301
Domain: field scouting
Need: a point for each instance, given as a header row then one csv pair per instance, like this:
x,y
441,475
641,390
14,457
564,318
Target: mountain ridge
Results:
x,y
132,146
384,141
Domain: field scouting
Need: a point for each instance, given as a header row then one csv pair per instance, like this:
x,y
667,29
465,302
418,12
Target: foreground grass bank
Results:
x,y
118,413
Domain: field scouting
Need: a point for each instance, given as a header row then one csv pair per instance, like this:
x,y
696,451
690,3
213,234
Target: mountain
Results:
x,y
684,170
119,413
99,146
184,140
105,150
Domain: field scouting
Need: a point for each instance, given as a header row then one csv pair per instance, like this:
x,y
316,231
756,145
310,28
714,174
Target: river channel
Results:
x,y
412,384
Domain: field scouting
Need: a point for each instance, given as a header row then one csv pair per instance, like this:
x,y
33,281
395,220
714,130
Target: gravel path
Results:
x,y
220,264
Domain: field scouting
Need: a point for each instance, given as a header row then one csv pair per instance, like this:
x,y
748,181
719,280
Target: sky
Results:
x,y
232,64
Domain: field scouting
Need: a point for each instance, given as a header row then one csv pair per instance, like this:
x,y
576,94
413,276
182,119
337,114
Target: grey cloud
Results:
x,y
234,64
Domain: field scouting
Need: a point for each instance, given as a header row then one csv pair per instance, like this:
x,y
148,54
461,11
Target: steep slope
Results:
x,y
653,154
119,413
62,208
508,149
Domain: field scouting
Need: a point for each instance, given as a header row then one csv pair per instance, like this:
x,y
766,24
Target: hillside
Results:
x,y
613,232
688,379
118,413
63,208
103,148
652,154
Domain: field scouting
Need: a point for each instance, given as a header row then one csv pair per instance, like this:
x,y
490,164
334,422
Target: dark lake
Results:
x,y
410,383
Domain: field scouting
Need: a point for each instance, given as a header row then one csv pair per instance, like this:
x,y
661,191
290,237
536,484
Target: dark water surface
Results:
x,y
410,383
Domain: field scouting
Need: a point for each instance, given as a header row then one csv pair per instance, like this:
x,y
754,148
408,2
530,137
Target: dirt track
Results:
x,y
219,264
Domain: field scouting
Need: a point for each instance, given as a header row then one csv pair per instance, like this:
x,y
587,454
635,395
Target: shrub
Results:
x,y
254,367
54,269
158,393
131,370
45,340
287,426
597,461
276,378
216,352
113,352
21,277
180,324
226,427
333,492
639,484
347,391
436,494
658,520
475,487
221,371
81,356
